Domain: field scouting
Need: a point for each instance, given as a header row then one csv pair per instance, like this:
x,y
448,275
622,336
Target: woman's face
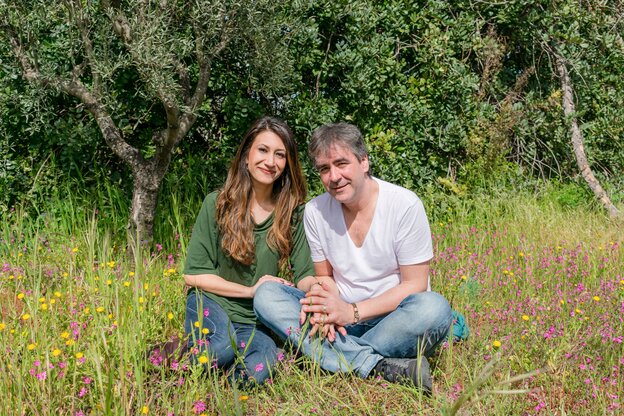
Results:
x,y
266,160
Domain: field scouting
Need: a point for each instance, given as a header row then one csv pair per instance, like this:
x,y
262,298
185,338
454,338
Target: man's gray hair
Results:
x,y
342,134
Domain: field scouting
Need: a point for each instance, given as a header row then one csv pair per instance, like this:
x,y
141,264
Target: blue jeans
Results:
x,y
417,326
255,349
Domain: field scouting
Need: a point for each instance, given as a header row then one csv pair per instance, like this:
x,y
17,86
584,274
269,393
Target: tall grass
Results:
x,y
540,282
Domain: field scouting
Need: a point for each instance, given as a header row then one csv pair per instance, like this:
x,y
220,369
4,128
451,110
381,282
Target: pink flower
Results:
x,y
206,313
259,367
42,375
199,406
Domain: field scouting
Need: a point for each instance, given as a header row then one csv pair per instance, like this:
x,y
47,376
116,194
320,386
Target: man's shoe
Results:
x,y
406,370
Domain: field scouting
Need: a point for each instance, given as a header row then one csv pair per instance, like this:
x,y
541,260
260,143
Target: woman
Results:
x,y
244,236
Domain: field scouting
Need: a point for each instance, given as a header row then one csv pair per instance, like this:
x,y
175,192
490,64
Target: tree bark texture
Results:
x,y
569,110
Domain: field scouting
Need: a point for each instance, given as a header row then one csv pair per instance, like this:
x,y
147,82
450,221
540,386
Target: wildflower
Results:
x,y
463,277
259,367
141,299
56,352
57,294
52,301
69,342
126,284
83,391
205,331
42,299
65,335
99,309
65,274
525,317
562,301
203,359
31,346
86,310
206,312
170,316
44,306
243,344
20,296
42,375
79,355
521,254
196,324
199,406
596,298
111,264
171,271
496,344
109,282
243,398
2,326
25,317
131,274
75,250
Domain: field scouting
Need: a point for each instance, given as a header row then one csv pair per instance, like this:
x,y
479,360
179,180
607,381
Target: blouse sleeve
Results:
x,y
300,258
201,257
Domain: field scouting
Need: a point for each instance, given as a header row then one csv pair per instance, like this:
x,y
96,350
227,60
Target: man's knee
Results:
x,y
431,305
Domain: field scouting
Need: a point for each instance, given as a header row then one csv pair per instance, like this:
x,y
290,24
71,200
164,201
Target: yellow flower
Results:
x,y
243,398
44,306
196,324
2,326
41,299
171,271
496,344
57,294
145,410
111,264
203,359
20,296
131,274
52,301
521,254
145,286
31,346
86,310
69,342
65,335
56,352
75,250
170,316
562,301
463,277
100,309
65,274
596,298
141,299
26,317
127,284
577,310
525,317
109,282
205,331
79,355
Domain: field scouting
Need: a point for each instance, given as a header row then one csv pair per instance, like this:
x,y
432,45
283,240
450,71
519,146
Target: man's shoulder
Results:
x,y
319,203
391,191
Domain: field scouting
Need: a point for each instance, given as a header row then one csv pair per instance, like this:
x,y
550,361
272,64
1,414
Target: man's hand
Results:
x,y
329,312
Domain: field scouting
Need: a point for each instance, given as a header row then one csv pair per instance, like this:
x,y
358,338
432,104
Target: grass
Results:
x,y
542,289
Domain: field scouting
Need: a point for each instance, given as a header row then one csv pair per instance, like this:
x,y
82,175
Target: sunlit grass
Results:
x,y
542,289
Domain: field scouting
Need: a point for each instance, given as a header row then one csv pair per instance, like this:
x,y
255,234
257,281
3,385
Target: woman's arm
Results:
x,y
219,286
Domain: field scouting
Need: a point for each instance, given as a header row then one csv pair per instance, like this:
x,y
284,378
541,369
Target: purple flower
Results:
x,y
259,367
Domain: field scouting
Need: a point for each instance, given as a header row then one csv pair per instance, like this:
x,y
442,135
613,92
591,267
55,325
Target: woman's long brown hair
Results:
x,y
233,203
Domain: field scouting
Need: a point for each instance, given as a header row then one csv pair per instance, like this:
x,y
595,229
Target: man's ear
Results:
x,y
365,164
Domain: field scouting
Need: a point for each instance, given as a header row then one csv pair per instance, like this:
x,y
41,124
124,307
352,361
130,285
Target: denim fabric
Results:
x,y
252,342
417,326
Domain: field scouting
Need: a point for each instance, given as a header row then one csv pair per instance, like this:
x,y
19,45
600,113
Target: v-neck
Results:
x,y
370,226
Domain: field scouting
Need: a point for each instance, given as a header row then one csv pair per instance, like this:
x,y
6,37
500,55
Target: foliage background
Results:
x,y
460,98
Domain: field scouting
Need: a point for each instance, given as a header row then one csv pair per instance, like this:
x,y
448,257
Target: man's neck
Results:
x,y
366,198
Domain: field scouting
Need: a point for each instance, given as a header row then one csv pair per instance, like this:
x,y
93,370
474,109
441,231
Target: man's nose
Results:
x,y
334,175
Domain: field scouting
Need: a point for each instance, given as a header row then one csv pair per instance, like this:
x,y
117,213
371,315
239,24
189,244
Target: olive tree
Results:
x,y
142,69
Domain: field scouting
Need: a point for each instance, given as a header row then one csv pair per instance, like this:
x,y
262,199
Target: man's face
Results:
x,y
342,174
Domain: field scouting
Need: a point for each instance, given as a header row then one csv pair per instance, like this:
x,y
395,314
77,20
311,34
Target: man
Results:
x,y
371,247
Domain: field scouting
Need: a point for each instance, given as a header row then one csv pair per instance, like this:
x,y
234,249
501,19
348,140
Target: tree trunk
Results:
x,y
577,139
147,179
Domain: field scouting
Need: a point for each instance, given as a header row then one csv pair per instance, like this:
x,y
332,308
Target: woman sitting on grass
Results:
x,y
244,235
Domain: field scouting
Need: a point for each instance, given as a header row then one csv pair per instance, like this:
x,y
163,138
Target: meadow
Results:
x,y
541,285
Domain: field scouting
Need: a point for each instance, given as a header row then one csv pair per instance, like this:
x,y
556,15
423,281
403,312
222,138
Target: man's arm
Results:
x,y
414,279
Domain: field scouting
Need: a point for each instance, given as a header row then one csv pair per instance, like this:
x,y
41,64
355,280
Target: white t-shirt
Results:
x,y
399,235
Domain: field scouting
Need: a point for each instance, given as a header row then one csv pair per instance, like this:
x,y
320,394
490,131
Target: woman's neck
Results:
x,y
262,203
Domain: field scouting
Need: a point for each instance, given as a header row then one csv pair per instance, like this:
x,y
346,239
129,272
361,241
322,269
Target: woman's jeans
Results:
x,y
247,347
416,326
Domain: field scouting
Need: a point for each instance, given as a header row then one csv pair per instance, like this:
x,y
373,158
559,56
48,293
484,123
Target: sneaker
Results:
x,y
406,370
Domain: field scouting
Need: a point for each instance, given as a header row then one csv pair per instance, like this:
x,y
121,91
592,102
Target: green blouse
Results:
x,y
205,256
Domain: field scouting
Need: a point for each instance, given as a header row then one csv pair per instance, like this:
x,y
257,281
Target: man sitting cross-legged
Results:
x,y
371,247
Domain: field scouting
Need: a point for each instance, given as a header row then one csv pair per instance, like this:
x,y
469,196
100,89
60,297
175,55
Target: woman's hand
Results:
x,y
267,278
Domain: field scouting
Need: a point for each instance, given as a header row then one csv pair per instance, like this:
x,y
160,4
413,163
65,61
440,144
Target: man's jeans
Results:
x,y
417,326
259,353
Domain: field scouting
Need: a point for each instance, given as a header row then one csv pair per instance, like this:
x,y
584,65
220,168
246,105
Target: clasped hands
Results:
x,y
329,313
